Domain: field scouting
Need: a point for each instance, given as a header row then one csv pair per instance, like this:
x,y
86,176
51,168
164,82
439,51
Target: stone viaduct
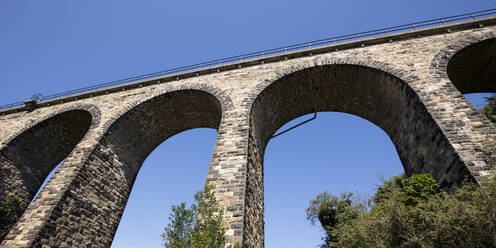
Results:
x,y
410,84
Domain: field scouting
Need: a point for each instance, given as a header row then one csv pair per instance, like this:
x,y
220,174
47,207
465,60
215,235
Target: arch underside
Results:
x,y
28,159
374,95
97,196
473,68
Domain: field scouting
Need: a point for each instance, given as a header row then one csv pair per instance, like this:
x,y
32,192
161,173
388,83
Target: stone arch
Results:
x,y
374,91
323,61
469,63
29,155
221,96
96,197
90,108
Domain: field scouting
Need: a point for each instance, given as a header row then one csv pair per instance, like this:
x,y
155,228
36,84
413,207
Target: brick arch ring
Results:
x,y
438,68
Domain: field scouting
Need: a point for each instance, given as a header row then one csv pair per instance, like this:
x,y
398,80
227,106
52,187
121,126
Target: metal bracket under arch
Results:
x,y
295,126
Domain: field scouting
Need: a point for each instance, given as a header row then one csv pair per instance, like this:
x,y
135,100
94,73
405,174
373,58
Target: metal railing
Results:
x,y
260,54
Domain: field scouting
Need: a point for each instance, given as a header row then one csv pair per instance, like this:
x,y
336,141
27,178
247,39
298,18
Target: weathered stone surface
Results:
x,y
410,87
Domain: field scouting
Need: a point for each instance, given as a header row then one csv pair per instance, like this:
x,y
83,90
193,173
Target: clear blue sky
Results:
x,y
52,46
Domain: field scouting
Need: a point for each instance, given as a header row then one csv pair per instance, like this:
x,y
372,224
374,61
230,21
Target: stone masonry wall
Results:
x,y
401,82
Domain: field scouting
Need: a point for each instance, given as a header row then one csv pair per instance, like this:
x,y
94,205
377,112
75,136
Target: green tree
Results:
x,y
415,189
179,231
8,210
200,226
333,212
415,212
489,145
388,187
489,110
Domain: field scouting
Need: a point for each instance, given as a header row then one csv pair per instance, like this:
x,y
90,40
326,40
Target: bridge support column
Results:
x,y
471,136
239,187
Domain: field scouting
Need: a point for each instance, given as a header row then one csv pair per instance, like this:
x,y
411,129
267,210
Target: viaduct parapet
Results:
x,y
409,84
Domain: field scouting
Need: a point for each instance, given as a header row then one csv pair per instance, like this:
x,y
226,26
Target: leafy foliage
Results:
x,y
8,209
489,110
414,212
200,226
489,145
415,189
179,231
333,211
